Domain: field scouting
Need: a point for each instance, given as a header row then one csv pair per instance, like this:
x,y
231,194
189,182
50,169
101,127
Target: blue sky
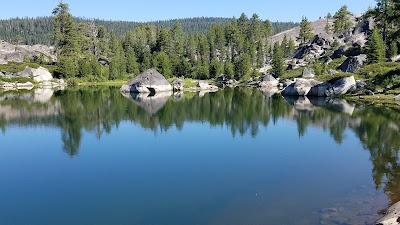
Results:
x,y
151,10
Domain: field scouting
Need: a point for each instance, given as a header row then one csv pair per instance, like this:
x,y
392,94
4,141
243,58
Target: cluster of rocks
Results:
x,y
350,43
153,82
309,87
17,53
41,77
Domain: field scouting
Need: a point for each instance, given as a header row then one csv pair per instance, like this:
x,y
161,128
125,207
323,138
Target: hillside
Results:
x,y
38,30
318,28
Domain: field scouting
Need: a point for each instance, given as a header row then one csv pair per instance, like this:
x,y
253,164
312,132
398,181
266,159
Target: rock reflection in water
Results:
x,y
151,102
313,103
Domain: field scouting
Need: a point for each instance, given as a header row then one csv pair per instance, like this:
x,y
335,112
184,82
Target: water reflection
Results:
x,y
99,109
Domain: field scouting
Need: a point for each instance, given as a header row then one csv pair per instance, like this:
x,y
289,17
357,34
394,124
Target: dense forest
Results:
x,y
38,30
91,52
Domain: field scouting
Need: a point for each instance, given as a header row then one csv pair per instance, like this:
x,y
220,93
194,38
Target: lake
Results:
x,y
92,156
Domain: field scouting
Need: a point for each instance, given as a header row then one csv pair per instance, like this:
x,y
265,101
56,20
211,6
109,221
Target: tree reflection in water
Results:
x,y
243,110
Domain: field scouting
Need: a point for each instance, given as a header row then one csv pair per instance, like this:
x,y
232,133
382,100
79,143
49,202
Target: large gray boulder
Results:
x,y
320,90
150,81
352,63
392,216
341,86
268,81
41,74
300,87
308,73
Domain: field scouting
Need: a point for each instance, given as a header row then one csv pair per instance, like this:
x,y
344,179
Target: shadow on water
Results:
x,y
99,109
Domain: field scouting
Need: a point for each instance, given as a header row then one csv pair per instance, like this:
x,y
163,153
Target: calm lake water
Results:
x,y
91,156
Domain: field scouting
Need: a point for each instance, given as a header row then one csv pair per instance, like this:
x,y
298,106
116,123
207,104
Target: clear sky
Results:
x,y
151,10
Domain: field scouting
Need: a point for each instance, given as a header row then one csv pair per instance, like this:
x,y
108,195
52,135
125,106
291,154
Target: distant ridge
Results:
x,y
38,30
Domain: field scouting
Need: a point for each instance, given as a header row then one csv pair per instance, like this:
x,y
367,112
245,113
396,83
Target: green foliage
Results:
x,y
232,49
328,27
242,67
162,63
15,67
287,74
375,48
306,31
216,68
393,50
229,70
16,80
342,19
320,68
332,78
277,61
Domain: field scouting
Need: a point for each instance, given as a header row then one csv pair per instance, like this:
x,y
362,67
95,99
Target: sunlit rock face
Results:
x,y
150,81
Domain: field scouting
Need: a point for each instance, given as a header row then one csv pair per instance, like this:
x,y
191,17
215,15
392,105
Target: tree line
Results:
x,y
235,49
38,30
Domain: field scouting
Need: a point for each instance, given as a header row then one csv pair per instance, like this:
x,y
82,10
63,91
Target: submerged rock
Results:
x,y
150,81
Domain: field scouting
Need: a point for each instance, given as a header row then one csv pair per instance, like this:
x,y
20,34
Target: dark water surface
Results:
x,y
91,156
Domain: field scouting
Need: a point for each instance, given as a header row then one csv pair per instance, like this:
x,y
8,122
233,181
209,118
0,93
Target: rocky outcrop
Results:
x,y
300,87
268,81
342,86
17,53
392,216
308,73
150,81
338,53
178,84
351,64
310,87
39,75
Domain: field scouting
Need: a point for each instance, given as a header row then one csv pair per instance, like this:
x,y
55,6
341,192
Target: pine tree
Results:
x,y
342,19
277,60
260,54
285,46
375,47
328,27
65,32
229,70
242,67
292,46
393,50
216,68
305,30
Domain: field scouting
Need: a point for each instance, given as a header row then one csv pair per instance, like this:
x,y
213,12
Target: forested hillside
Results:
x,y
38,30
